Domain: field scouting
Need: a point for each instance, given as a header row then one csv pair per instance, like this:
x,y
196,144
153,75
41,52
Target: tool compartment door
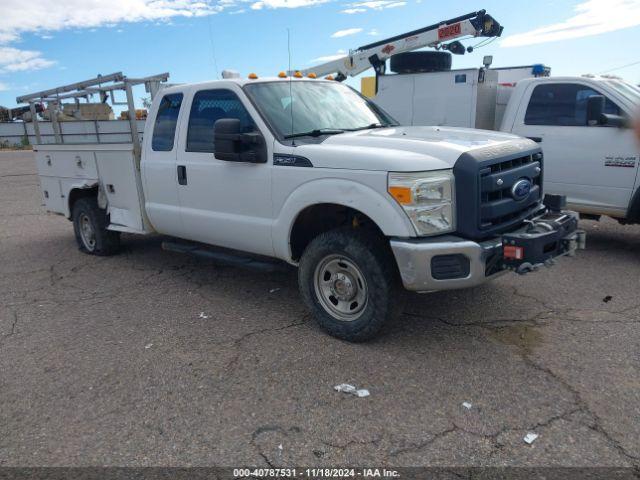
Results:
x,y
120,182
66,163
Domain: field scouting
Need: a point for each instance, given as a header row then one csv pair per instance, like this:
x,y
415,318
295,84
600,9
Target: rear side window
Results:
x,y
164,129
209,106
562,104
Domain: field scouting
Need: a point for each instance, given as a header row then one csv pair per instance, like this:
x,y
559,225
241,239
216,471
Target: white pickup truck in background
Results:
x,y
309,172
583,126
581,123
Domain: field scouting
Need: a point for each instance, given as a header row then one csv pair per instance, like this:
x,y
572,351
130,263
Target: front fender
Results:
x,y
382,210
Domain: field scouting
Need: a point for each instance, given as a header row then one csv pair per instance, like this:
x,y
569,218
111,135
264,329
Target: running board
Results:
x,y
226,257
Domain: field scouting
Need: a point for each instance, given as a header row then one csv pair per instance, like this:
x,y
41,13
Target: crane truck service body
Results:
x,y
312,173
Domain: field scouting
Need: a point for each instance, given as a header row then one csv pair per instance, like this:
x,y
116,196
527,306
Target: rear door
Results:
x,y
159,166
223,203
580,160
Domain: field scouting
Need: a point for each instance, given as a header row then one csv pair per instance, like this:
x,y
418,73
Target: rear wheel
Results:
x,y
90,226
347,279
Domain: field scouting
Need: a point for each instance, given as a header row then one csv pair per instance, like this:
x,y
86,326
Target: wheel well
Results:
x,y
78,193
633,214
320,218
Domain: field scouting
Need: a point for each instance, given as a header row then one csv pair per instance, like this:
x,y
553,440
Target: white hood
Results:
x,y
404,148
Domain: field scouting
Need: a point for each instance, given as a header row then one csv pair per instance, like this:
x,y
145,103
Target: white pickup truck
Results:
x,y
581,123
310,172
583,126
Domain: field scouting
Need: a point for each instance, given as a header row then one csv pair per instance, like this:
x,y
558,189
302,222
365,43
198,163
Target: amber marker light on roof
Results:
x,y
298,74
312,75
329,77
282,75
253,76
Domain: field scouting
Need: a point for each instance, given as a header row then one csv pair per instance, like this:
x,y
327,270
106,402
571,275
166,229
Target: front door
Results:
x,y
222,203
594,165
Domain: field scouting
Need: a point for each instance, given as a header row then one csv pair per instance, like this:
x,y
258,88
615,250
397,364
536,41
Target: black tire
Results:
x,y
104,242
373,260
418,62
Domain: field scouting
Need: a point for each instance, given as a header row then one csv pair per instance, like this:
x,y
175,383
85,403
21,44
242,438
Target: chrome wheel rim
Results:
x,y
87,233
340,287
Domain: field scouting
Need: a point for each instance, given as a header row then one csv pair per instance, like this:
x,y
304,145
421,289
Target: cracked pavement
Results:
x,y
107,361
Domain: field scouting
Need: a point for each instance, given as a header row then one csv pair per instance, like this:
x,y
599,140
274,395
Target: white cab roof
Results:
x,y
237,81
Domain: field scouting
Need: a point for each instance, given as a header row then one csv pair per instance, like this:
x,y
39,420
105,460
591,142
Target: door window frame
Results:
x,y
176,129
184,145
531,92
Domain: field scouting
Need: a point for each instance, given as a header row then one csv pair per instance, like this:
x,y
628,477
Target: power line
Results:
x,y
619,68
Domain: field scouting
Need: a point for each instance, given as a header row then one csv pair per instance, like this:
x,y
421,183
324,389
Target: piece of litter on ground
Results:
x,y
607,299
274,290
467,405
202,315
346,388
280,447
530,437
148,346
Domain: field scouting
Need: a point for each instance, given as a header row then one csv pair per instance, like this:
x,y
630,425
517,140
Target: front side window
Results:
x,y
562,104
298,107
164,128
209,106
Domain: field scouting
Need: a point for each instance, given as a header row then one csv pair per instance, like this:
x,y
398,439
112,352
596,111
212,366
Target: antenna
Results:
x,y
213,48
293,140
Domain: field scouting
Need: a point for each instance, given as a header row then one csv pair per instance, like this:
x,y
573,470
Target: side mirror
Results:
x,y
596,115
231,145
595,110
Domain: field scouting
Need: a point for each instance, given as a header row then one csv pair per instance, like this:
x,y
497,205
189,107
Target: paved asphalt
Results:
x,y
154,358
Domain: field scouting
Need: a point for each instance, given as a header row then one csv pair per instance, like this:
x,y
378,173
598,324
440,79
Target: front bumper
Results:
x,y
449,262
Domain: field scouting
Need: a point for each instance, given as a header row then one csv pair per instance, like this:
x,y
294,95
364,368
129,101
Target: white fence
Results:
x,y
83,131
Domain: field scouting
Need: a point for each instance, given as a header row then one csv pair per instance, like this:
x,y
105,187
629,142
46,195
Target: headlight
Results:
x,y
428,199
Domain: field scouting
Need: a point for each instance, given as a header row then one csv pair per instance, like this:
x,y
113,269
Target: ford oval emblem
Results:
x,y
521,189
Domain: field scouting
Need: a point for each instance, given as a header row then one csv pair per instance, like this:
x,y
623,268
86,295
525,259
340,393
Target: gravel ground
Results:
x,y
154,358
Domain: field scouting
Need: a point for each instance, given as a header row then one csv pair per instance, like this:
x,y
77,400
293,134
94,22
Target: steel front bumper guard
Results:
x,y
450,262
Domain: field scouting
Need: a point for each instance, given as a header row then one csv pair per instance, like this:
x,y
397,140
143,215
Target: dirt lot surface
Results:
x,y
154,358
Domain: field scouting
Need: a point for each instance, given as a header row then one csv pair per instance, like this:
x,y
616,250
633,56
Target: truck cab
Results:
x,y
593,161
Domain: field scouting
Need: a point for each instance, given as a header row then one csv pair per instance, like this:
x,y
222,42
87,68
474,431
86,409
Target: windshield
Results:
x,y
628,91
314,108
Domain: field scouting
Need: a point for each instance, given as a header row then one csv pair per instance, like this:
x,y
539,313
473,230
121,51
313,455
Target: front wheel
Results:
x,y
348,280
90,224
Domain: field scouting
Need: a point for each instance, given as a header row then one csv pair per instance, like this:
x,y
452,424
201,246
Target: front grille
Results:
x,y
486,203
497,206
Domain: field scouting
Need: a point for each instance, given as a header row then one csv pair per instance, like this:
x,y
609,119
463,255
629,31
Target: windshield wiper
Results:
x,y
316,133
368,127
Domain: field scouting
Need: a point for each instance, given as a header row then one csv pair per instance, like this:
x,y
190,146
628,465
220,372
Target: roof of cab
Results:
x,y
238,81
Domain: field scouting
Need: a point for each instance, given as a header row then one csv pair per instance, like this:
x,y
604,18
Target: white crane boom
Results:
x,y
476,24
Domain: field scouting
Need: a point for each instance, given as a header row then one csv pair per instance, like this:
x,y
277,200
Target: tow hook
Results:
x,y
527,267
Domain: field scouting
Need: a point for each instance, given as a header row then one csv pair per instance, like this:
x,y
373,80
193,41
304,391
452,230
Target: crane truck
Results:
x,y
582,123
310,172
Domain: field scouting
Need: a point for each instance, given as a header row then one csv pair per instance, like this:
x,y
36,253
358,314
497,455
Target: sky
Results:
x,y
47,43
